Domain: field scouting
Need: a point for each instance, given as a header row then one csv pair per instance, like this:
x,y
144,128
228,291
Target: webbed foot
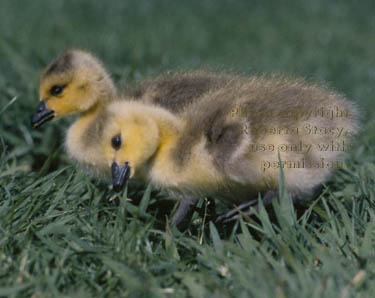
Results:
x,y
246,208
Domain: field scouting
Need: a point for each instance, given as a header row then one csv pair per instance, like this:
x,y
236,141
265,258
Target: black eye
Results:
x,y
116,142
56,90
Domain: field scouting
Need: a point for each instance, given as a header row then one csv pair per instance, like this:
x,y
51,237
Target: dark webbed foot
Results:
x,y
246,208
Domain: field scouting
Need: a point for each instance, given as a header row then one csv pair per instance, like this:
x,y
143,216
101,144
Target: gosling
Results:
x,y
220,146
76,82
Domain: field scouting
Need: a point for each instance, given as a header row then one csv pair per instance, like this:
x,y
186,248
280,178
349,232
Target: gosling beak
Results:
x,y
120,174
42,115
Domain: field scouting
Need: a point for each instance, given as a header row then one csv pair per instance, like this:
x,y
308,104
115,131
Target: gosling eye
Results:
x,y
116,142
56,89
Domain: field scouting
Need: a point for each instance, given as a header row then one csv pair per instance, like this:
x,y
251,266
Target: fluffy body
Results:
x,y
207,149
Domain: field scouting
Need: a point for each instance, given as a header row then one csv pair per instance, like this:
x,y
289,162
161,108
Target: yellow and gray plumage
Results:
x,y
208,148
76,82
213,132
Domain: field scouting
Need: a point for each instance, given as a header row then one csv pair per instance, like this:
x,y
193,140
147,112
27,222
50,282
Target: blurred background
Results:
x,y
324,41
63,234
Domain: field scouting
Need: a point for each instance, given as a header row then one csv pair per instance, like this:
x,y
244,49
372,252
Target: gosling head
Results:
x,y
129,143
73,83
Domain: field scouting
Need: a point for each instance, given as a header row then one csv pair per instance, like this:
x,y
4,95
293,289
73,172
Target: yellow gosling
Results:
x,y
76,82
226,145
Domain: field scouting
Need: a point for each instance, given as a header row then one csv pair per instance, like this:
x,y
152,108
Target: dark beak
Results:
x,y
120,174
42,115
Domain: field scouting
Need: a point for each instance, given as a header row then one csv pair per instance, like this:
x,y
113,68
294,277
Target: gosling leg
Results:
x,y
185,211
183,214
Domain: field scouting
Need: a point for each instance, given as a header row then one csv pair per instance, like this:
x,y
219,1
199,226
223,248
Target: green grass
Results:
x,y
63,234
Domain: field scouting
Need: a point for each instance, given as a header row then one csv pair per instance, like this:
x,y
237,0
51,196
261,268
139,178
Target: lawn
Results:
x,y
64,234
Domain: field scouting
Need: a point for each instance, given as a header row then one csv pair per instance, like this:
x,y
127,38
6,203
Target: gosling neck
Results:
x,y
92,111
169,128
161,166
108,93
